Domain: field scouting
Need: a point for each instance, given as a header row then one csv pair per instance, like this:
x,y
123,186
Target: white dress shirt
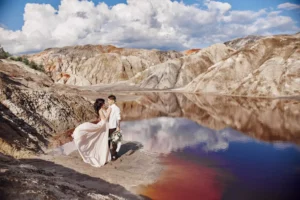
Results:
x,y
114,117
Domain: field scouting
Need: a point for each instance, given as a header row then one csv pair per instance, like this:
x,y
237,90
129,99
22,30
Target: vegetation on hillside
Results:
x,y
31,64
3,54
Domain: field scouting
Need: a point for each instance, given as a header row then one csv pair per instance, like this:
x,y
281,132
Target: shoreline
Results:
x,y
134,169
116,88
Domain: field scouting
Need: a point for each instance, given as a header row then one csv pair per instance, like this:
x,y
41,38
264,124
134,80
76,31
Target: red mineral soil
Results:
x,y
191,51
50,68
185,179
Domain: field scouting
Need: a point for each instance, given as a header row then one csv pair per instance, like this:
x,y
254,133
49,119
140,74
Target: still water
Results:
x,y
215,147
202,163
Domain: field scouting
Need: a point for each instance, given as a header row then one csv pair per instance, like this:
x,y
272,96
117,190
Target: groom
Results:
x,y
114,123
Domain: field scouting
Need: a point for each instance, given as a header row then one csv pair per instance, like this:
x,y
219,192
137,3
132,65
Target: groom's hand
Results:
x,y
118,128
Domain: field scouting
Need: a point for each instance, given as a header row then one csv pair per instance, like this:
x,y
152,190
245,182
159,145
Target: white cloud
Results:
x,y
217,6
288,6
162,24
243,16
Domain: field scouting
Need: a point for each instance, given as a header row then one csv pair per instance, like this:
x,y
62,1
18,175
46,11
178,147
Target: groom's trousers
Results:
x,y
114,146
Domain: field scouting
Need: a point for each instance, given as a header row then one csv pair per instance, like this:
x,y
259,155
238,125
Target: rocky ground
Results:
x,y
135,167
41,179
34,111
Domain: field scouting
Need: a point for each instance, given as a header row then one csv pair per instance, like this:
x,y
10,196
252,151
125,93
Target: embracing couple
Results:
x,y
99,143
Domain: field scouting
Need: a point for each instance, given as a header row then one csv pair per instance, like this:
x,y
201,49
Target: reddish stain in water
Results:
x,y
183,179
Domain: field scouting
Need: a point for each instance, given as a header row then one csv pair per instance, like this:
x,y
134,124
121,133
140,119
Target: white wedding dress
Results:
x,y
91,141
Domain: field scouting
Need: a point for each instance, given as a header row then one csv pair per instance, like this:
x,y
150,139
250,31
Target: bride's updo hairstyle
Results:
x,y
98,105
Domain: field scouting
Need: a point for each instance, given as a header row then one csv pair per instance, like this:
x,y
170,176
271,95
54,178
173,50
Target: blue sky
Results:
x,y
11,11
165,24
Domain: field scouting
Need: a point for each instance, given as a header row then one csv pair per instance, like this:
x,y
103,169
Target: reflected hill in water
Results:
x,y
264,119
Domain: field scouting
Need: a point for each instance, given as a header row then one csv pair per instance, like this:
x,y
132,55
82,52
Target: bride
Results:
x,y
91,139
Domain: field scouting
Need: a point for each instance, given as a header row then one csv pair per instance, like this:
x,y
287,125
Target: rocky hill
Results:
x,y
32,110
250,66
239,43
179,72
268,67
95,64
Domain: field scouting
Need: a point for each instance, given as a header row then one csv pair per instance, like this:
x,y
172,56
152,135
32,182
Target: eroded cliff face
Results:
x,y
32,110
250,66
268,67
96,64
179,72
239,43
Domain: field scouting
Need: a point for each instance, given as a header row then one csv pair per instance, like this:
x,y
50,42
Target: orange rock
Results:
x,y
191,51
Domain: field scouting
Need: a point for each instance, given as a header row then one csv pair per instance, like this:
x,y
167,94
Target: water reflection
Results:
x,y
218,147
215,164
164,135
264,119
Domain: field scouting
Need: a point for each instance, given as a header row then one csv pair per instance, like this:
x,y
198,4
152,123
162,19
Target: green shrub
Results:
x,y
33,65
41,67
6,54
3,54
26,61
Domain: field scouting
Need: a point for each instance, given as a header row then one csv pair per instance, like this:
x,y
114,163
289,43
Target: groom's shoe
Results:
x,y
115,156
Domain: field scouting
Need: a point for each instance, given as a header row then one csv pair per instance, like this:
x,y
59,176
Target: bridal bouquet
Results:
x,y
116,137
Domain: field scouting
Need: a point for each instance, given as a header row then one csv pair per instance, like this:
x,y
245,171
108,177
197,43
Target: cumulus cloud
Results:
x,y
161,24
288,6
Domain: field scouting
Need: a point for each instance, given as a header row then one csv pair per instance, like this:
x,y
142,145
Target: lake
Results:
x,y
217,147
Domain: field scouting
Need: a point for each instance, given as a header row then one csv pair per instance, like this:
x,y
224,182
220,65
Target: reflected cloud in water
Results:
x,y
164,135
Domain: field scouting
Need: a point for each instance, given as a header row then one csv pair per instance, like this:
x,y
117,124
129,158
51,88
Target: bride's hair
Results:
x,y
98,105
